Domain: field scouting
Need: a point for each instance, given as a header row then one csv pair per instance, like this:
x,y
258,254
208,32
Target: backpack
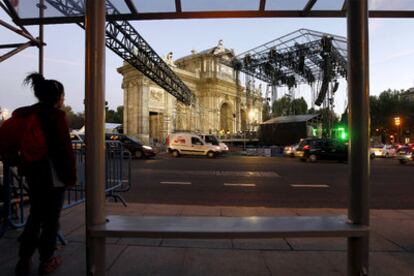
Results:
x,y
22,140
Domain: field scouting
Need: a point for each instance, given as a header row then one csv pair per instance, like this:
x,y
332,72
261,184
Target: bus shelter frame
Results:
x,y
357,14
358,94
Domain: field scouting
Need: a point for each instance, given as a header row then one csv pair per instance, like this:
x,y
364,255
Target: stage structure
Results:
x,y
301,57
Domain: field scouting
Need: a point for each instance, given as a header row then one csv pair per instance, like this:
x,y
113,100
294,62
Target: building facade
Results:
x,y
221,104
409,94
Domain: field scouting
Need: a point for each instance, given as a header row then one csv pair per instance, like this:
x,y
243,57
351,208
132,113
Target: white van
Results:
x,y
213,140
190,144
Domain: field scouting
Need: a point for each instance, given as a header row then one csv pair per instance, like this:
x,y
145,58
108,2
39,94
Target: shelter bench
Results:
x,y
251,227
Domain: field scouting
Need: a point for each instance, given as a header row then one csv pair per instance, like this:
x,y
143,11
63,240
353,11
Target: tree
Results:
x,y
299,106
113,116
329,119
286,107
281,107
386,106
266,112
75,121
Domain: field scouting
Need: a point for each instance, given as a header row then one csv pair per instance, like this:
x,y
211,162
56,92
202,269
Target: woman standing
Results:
x,y
47,177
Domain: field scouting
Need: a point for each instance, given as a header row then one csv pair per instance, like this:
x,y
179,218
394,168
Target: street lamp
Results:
x,y
397,123
4,114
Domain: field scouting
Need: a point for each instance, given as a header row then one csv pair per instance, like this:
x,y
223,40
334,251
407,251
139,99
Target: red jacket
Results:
x,y
56,131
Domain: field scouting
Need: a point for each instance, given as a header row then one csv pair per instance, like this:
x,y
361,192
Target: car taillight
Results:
x,y
306,147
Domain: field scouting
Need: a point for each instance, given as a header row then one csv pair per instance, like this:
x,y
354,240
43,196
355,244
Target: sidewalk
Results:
x,y
391,245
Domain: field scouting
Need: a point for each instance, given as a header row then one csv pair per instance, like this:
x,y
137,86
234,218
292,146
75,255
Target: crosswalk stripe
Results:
x,y
175,182
309,186
240,184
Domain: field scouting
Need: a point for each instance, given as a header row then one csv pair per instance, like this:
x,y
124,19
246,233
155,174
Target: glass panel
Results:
x,y
285,4
396,5
151,6
120,6
328,5
219,5
30,9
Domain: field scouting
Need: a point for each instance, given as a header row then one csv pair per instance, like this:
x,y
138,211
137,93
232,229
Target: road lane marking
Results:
x,y
175,182
309,186
260,174
240,184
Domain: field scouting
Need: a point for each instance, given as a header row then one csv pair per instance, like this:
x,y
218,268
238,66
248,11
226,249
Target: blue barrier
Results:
x,y
14,206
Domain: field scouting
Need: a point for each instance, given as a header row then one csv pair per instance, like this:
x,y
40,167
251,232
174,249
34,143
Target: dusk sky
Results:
x,y
391,53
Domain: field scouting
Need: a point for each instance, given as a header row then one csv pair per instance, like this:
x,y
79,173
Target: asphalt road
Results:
x,y
265,181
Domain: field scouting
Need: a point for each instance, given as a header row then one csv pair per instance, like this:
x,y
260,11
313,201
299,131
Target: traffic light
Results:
x,y
342,133
397,121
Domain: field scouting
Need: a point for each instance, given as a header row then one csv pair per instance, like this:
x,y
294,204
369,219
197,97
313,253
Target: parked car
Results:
x,y
290,150
135,147
77,139
405,153
313,149
190,144
386,151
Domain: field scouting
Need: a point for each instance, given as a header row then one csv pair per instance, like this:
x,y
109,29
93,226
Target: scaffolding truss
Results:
x,y
21,31
127,43
300,57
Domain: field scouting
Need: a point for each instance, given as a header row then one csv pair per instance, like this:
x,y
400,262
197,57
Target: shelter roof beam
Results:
x,y
218,15
15,51
22,32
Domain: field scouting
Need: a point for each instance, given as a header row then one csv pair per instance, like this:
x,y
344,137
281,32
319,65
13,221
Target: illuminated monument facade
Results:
x,y
220,104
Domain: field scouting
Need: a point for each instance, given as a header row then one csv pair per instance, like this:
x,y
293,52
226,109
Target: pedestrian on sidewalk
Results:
x,y
47,177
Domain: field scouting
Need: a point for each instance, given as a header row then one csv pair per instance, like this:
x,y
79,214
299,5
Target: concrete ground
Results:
x,y
391,246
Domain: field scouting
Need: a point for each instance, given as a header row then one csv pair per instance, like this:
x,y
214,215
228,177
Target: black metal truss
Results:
x,y
300,63
127,43
303,56
20,30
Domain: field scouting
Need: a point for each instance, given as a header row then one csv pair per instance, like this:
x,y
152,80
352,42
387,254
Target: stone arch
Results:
x,y
226,117
243,120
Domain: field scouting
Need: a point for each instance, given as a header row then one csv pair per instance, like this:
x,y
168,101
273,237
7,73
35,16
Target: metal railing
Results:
x,y
14,204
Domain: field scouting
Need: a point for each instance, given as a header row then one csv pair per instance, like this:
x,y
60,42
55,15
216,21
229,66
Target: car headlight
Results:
x,y
147,147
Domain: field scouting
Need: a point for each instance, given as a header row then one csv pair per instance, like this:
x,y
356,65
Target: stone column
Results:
x,y
142,110
136,113
168,115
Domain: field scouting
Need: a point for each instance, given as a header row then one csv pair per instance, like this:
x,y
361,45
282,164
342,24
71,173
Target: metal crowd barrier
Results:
x,y
14,200
14,204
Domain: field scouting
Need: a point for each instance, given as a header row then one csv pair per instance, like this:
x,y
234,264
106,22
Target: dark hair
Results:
x,y
46,91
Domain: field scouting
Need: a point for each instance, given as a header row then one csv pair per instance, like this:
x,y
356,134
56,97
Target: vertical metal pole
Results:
x,y
7,183
95,143
42,7
358,94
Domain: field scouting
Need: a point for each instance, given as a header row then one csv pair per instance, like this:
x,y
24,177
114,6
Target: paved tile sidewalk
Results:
x,y
391,245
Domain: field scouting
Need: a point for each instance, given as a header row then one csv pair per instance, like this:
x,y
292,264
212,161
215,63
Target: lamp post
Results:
x,y
397,123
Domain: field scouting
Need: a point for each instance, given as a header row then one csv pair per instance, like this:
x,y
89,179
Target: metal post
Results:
x,y
7,183
95,143
42,7
358,94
